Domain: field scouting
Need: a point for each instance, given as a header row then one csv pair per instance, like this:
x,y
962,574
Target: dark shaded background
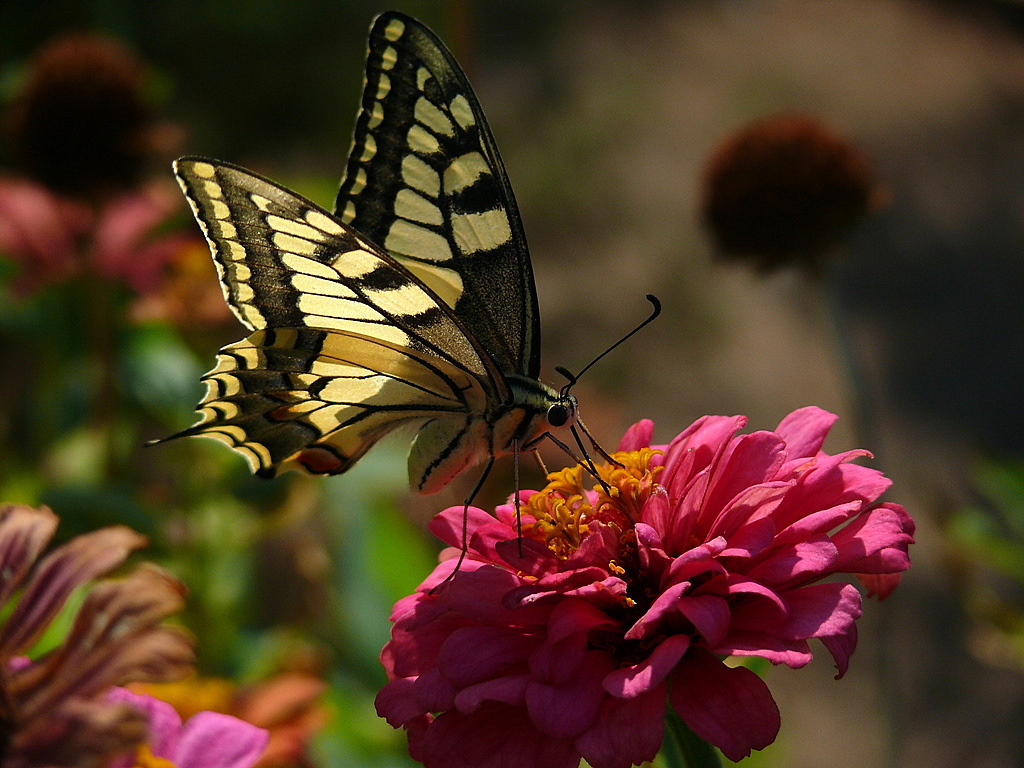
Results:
x,y
605,113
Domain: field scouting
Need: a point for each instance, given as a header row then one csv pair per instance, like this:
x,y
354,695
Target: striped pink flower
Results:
x,y
54,709
620,600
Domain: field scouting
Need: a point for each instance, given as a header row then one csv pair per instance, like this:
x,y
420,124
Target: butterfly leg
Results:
x,y
594,444
585,461
519,518
540,463
465,523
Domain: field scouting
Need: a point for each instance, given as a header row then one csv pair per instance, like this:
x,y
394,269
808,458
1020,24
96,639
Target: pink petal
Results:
x,y
560,661
709,615
657,512
841,647
818,523
396,702
581,581
495,736
697,448
794,653
700,559
827,612
626,732
637,436
822,610
215,740
829,483
507,690
738,585
529,557
805,430
749,505
751,539
797,563
447,525
573,617
567,707
879,585
666,602
750,460
164,721
473,654
433,692
729,707
477,595
876,542
630,682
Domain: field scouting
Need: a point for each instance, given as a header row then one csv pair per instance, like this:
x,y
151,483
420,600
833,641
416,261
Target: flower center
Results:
x,y
566,511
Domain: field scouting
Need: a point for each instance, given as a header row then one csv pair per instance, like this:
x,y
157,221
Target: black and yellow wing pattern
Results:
x,y
425,181
413,303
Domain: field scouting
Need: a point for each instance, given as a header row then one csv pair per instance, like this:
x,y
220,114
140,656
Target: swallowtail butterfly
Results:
x,y
413,302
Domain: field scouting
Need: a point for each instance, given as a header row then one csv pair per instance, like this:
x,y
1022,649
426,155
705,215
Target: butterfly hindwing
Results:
x,y
319,400
425,181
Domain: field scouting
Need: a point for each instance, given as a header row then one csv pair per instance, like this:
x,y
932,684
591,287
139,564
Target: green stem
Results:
x,y
683,748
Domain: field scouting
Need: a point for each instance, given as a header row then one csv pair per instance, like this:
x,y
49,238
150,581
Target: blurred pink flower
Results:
x,y
206,740
289,705
52,238
715,545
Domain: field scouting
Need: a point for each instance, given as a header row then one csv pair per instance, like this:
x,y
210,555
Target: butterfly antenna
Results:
x,y
573,378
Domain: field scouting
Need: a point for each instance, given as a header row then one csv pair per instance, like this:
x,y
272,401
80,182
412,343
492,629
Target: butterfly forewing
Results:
x,y
348,343
415,302
284,263
425,181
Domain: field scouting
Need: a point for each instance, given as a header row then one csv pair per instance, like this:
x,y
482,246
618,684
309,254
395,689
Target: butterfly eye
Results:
x,y
558,415
562,412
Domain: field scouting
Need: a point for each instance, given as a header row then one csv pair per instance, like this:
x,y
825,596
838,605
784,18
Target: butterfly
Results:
x,y
413,303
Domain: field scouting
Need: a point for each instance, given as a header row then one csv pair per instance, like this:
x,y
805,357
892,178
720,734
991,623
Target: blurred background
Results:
x,y
640,138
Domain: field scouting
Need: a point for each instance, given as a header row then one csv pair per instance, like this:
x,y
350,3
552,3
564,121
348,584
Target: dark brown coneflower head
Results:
x,y
81,123
784,190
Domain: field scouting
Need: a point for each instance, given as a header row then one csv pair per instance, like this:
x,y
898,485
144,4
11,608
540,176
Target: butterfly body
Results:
x,y
413,303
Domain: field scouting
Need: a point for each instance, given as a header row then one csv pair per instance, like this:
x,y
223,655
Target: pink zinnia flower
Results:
x,y
629,597
206,740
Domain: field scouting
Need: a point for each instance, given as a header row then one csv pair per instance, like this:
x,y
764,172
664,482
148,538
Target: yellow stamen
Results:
x,y
564,510
144,758
192,695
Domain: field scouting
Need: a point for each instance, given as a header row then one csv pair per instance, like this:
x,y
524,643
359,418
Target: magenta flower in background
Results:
x,y
206,740
82,133
54,238
627,599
